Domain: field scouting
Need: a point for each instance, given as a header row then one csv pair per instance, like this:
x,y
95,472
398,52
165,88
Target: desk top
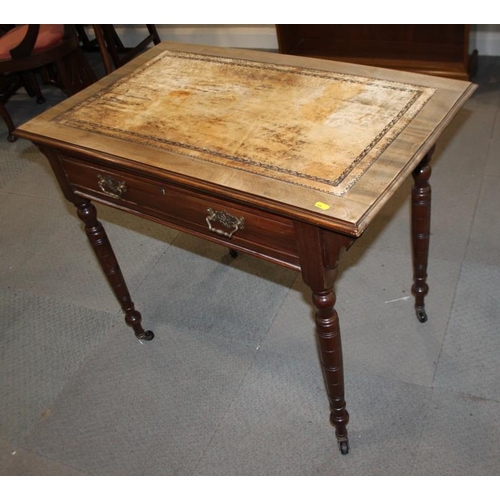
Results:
x,y
327,141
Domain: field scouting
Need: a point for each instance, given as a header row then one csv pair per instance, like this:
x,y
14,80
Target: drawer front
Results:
x,y
208,216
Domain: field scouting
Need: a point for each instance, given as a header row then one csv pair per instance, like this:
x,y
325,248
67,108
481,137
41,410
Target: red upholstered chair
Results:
x,y
49,49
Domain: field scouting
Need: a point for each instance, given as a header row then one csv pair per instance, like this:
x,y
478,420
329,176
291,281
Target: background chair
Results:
x,y
113,51
50,51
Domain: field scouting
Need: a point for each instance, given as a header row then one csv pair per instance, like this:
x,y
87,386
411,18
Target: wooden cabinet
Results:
x,y
435,49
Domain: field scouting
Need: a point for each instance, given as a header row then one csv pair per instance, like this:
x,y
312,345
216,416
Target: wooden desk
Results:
x,y
285,158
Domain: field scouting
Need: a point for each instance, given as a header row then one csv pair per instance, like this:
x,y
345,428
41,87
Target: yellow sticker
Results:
x,y
322,205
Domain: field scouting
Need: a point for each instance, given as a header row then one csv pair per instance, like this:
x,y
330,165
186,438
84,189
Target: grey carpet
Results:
x,y
231,385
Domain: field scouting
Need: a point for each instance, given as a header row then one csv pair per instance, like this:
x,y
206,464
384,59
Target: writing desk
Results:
x,y
285,158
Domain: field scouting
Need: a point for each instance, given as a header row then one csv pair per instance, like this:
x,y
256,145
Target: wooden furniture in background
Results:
x,y
284,159
113,52
434,49
50,49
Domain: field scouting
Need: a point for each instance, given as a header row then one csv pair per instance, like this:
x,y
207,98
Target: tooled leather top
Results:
x,y
313,128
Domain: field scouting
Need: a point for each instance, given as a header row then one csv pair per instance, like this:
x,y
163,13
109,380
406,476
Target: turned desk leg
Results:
x,y
330,350
421,227
319,255
102,248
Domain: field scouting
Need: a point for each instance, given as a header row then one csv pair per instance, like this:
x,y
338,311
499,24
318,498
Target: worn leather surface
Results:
x,y
314,128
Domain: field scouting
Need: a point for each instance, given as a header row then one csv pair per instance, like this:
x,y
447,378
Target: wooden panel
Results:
x,y
436,49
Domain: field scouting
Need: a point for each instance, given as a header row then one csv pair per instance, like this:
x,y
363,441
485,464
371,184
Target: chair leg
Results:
x,y
31,85
113,43
154,33
8,121
101,41
113,51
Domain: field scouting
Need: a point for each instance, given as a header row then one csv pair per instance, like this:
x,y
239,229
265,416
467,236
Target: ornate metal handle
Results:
x,y
112,187
227,220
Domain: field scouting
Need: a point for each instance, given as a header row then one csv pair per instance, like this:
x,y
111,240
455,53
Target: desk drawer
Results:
x,y
229,223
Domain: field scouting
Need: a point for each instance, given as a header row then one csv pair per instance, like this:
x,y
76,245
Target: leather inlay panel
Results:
x,y
210,107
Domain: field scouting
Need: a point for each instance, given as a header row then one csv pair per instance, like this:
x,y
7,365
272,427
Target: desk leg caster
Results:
x,y
421,314
233,253
339,420
344,446
147,335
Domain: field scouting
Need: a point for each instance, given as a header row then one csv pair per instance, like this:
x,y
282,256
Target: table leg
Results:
x,y
319,255
330,349
421,224
104,252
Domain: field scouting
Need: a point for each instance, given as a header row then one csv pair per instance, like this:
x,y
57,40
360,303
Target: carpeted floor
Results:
x,y
231,385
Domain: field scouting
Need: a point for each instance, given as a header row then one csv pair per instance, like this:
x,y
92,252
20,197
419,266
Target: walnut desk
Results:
x,y
285,158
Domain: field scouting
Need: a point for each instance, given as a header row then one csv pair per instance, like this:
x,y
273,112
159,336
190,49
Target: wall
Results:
x,y
484,37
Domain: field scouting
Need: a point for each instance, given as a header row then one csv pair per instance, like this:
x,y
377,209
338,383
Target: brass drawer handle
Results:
x,y
227,220
112,187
